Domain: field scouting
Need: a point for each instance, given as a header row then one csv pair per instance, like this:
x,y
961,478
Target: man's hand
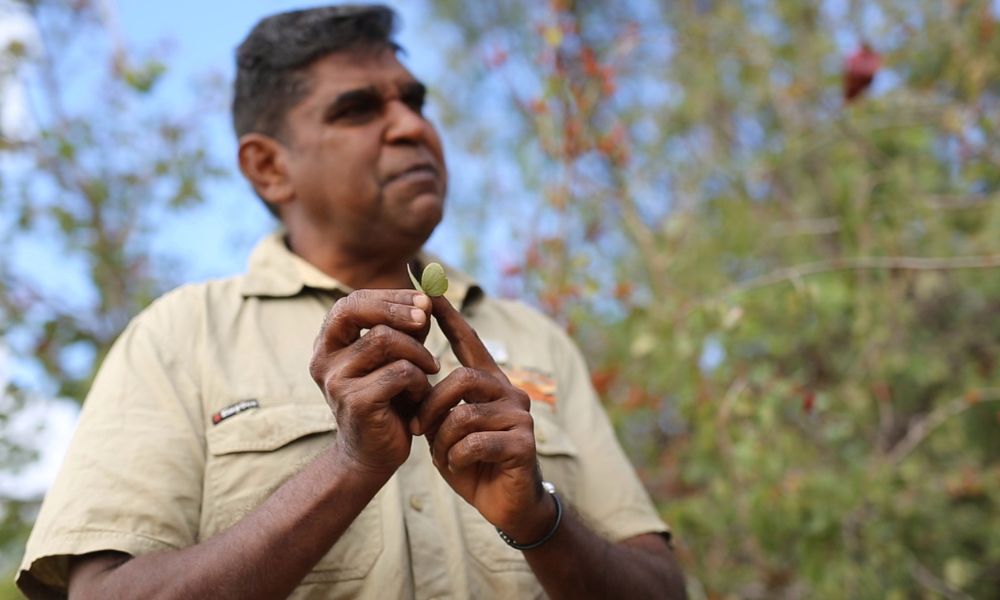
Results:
x,y
374,382
485,448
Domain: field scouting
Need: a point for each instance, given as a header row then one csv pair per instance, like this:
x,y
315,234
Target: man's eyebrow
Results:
x,y
370,94
365,94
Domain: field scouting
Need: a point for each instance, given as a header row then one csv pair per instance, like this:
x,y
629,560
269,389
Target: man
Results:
x,y
208,465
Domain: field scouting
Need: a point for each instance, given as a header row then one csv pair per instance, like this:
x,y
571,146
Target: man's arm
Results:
x,y
265,555
578,563
268,552
485,449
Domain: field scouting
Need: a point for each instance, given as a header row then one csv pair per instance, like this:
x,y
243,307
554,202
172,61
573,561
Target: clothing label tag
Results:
x,y
234,409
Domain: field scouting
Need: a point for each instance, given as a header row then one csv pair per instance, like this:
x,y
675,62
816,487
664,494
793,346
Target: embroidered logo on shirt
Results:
x,y
539,386
234,409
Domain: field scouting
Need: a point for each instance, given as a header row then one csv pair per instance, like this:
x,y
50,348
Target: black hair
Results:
x,y
271,60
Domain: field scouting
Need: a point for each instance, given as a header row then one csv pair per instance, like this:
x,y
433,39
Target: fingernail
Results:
x,y
418,315
437,363
414,426
423,301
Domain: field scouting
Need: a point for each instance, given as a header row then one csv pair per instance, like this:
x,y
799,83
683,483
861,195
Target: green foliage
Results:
x,y
84,186
145,77
790,302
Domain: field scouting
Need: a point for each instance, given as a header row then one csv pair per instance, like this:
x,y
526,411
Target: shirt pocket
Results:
x,y
251,455
558,457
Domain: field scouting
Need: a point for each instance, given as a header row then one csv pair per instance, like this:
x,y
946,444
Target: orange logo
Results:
x,y
539,386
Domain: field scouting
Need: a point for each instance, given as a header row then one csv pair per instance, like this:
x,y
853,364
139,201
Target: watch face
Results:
x,y
549,487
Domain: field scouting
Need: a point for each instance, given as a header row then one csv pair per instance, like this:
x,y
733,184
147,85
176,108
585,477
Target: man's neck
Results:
x,y
357,269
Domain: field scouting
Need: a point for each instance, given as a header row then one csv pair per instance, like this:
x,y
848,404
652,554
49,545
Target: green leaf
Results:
x,y
143,79
433,281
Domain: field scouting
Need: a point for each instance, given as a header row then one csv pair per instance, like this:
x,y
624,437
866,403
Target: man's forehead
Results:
x,y
342,72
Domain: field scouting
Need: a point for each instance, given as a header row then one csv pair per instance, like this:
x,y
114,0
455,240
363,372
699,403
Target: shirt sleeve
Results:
x,y
609,494
132,478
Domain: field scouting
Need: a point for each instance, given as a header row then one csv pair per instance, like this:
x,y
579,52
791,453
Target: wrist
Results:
x,y
535,527
352,466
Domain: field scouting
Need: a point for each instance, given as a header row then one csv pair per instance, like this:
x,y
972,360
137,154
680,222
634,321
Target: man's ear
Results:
x,y
263,162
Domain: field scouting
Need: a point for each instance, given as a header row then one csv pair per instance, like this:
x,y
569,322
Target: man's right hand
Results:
x,y
373,382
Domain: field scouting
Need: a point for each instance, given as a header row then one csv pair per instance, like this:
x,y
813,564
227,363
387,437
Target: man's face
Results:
x,y
366,167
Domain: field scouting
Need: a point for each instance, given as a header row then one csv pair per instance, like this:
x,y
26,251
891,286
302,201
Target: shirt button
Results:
x,y
416,503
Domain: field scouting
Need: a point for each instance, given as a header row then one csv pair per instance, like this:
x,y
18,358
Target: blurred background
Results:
x,y
772,225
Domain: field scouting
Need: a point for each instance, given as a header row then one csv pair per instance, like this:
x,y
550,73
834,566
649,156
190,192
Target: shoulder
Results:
x,y
194,299
183,312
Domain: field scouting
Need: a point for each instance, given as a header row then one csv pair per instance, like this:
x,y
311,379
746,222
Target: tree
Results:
x,y
86,173
785,277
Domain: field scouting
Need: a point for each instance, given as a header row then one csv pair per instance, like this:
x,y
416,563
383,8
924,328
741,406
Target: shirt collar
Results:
x,y
274,271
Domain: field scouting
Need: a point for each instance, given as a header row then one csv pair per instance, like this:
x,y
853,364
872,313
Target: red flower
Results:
x,y
859,71
808,401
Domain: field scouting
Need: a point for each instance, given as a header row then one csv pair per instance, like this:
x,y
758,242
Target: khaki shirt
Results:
x,y
204,406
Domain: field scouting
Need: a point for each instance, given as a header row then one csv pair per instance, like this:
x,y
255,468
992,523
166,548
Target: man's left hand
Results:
x,y
484,448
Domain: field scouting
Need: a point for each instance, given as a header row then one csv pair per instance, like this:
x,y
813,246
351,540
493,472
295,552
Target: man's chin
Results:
x,y
425,206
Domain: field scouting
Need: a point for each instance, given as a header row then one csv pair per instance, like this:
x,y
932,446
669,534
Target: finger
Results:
x,y
381,346
467,419
514,447
400,381
465,342
405,310
422,302
471,385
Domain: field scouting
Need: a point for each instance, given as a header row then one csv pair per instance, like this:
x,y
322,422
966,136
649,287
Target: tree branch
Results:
x,y
932,582
856,263
919,431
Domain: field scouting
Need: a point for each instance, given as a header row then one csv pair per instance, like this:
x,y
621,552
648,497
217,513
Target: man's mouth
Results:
x,y
415,172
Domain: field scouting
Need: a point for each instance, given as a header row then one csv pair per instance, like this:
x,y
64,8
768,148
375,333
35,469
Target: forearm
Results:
x,y
578,563
264,555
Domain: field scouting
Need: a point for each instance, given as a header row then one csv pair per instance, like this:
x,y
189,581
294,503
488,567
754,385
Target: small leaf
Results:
x,y
433,281
143,79
413,280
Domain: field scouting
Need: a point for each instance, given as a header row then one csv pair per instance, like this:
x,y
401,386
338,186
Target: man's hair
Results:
x,y
271,60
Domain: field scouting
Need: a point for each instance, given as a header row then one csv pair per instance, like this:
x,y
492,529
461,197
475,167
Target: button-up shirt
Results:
x,y
204,406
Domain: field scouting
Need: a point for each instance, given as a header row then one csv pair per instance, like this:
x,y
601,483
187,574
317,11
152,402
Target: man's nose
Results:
x,y
405,124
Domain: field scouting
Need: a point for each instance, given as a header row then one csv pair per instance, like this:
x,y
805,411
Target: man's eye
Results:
x,y
415,100
356,112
